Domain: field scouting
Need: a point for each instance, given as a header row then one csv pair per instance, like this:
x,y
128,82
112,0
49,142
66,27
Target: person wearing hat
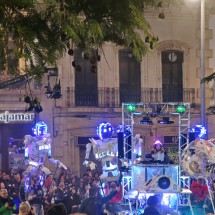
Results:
x,y
94,204
158,153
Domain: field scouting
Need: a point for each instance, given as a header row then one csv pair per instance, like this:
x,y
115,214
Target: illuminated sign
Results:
x,y
104,154
7,117
45,147
40,128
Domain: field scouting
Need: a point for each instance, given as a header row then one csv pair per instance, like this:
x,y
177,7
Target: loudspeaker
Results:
x,y
161,184
192,136
120,138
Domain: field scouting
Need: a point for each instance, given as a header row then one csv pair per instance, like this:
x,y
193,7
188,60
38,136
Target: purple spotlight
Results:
x,y
158,142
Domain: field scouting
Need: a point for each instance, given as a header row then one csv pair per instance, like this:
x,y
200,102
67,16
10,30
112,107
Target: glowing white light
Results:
x,y
200,130
40,128
168,199
104,130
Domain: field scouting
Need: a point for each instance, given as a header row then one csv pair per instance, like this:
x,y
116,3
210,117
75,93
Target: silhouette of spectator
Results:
x,y
57,209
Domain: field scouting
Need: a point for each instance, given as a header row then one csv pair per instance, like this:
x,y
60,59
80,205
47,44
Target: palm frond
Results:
x,y
208,78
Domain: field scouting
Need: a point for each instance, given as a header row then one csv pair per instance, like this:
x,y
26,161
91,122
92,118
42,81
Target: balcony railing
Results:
x,y
86,98
111,97
133,97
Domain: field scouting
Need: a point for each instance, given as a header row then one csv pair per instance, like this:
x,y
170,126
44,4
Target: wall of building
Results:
x,y
180,30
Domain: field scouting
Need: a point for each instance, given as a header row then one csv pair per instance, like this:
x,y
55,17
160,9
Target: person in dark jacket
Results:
x,y
57,209
94,204
152,203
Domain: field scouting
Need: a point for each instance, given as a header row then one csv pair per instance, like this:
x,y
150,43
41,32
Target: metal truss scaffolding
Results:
x,y
155,110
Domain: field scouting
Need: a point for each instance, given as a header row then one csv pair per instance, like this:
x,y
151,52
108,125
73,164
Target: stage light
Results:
x,y
146,121
131,108
30,108
156,110
105,130
200,131
27,99
180,109
169,199
70,52
40,128
157,142
165,120
38,108
153,115
73,63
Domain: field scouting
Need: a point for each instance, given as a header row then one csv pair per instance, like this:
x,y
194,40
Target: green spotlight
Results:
x,y
180,109
131,108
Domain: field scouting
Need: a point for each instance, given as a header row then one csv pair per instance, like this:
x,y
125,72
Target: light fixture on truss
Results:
x,y
156,111
165,120
200,131
146,121
55,91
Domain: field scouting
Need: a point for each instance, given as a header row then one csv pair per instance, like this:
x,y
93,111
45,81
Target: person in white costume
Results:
x,y
105,150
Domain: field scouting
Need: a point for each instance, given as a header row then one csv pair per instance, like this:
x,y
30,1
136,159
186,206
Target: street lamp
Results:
x,y
202,60
202,29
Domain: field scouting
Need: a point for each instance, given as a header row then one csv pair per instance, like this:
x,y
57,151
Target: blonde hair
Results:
x,y
24,208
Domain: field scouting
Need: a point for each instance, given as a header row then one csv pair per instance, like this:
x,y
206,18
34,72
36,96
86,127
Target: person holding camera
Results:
x,y
7,205
26,209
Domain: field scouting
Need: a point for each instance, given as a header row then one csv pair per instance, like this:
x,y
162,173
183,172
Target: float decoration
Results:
x,y
37,150
199,191
105,150
198,158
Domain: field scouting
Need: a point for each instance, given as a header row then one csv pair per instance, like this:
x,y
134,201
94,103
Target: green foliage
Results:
x,y
208,78
42,30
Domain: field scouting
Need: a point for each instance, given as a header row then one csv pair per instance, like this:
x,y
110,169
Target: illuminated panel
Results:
x,y
105,130
40,128
200,131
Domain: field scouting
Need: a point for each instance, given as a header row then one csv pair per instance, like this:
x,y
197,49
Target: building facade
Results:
x,y
94,89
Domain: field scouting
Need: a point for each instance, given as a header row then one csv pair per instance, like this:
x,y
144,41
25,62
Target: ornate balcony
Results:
x,y
112,98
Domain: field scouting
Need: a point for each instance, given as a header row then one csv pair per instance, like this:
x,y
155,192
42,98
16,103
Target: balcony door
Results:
x,y
172,76
130,82
86,87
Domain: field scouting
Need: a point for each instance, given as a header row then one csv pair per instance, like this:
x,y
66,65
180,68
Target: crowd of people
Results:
x,y
68,193
69,189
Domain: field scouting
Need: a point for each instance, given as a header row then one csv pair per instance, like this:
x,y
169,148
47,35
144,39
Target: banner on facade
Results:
x,y
171,145
7,117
